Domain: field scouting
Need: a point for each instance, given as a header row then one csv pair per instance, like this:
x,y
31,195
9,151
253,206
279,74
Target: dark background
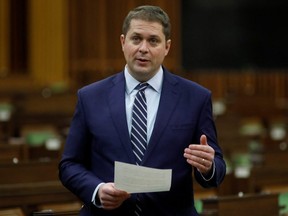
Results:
x,y
234,34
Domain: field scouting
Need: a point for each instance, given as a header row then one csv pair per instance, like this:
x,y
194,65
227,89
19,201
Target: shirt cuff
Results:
x,y
212,175
94,200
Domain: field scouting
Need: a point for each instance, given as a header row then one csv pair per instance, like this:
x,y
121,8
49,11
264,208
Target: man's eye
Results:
x,y
135,39
153,41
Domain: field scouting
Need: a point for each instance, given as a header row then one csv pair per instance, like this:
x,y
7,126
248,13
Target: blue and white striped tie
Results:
x,y
139,132
139,123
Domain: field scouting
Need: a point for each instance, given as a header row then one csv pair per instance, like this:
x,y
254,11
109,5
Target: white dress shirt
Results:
x,y
152,94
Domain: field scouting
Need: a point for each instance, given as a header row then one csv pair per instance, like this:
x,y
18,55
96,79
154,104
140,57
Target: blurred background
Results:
x,y
51,48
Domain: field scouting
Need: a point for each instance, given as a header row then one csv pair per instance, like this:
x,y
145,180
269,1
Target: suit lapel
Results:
x,y
168,101
116,100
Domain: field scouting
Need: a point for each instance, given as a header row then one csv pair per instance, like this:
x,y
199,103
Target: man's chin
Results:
x,y
141,69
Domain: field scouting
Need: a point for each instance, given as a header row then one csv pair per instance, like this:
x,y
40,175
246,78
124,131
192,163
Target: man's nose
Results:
x,y
144,47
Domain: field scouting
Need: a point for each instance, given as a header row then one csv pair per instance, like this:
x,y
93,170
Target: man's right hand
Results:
x,y
110,197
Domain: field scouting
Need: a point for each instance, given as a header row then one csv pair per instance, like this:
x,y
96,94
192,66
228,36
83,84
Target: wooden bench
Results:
x,y
12,212
56,109
48,213
12,153
251,204
29,184
71,209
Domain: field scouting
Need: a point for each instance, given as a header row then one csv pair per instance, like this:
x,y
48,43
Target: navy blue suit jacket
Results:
x,y
99,136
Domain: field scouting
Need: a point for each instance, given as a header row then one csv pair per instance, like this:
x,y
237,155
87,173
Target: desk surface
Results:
x,y
251,204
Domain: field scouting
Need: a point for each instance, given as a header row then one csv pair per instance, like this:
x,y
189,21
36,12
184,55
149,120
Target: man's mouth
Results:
x,y
142,60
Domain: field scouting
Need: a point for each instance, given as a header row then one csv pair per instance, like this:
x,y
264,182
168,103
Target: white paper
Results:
x,y
139,179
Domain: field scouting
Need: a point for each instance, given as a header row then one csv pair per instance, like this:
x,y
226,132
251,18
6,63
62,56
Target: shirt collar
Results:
x,y
155,82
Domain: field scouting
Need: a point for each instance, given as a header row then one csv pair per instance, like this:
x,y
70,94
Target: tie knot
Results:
x,y
142,86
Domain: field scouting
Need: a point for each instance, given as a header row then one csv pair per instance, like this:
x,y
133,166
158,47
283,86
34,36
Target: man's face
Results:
x,y
144,48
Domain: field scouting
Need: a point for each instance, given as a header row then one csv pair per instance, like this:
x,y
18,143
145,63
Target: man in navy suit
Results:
x,y
180,129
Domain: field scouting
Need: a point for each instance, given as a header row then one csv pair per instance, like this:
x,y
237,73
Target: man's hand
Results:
x,y
200,156
110,197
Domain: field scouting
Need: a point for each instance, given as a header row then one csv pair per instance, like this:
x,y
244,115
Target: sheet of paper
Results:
x,y
139,179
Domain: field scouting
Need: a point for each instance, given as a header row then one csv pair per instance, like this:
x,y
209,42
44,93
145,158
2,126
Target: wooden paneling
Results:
x,y
234,83
4,38
48,52
18,36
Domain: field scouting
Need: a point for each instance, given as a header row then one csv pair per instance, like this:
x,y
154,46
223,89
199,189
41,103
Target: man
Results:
x,y
180,131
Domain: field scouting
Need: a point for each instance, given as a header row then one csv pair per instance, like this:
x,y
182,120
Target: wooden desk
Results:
x,y
11,153
268,177
28,172
27,185
11,212
69,213
32,194
252,204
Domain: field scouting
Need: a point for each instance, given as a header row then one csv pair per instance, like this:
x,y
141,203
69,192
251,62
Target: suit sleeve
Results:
x,y
207,126
73,167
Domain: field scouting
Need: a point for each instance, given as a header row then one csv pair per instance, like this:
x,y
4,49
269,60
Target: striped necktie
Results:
x,y
139,132
139,123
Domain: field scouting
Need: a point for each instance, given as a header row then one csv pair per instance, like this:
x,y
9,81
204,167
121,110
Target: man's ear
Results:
x,y
122,40
168,44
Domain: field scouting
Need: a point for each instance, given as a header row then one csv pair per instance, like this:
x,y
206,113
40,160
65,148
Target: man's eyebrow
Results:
x,y
154,36
135,33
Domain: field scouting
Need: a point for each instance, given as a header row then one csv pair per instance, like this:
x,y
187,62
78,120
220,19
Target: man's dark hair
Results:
x,y
151,14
